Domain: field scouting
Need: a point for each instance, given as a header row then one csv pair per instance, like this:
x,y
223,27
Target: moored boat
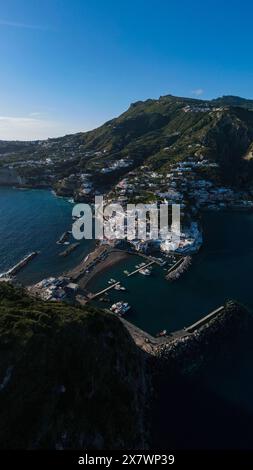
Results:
x,y
120,307
145,271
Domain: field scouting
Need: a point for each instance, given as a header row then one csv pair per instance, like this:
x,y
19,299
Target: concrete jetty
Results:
x,y
15,269
139,269
69,250
204,320
175,266
97,294
179,268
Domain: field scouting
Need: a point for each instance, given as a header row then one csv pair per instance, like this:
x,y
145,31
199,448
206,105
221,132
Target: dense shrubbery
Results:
x,y
69,376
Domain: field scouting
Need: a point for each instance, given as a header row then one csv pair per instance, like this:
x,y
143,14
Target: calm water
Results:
x,y
34,220
223,269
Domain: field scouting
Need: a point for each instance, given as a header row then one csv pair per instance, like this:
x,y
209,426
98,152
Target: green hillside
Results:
x,y
69,377
152,132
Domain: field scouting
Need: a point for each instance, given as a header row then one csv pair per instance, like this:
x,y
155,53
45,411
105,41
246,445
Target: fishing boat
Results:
x,y
145,271
120,307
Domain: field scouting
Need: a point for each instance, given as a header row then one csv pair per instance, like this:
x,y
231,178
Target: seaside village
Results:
x,y
185,184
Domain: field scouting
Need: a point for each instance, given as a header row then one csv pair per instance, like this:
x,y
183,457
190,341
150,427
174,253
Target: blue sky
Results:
x,y
68,66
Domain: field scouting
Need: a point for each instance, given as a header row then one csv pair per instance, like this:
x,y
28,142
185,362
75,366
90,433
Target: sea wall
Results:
x,y
191,352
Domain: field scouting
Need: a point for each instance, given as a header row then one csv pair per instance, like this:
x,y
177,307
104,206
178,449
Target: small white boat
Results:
x,y
120,307
145,271
119,287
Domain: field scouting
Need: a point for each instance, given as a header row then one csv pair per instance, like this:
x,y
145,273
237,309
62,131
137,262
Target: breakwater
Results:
x,y
17,267
179,268
204,320
69,250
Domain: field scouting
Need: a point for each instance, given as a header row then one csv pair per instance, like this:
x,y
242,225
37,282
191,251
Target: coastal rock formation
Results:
x,y
9,177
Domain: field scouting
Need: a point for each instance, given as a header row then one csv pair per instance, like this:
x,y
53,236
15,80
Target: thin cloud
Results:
x,y
28,128
14,24
17,119
35,114
198,92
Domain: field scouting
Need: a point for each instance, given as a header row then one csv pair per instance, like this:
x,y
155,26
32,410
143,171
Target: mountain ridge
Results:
x,y
155,133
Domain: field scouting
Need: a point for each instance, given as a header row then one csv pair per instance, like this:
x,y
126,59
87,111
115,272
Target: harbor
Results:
x,y
156,303
141,268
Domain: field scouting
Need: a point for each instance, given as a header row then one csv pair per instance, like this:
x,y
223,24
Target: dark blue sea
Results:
x,y
33,220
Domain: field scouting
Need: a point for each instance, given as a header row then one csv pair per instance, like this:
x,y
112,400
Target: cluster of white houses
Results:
x,y
185,185
117,165
53,289
203,108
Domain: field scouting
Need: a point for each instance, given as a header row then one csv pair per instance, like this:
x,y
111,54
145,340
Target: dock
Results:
x,y
98,294
204,320
93,296
15,269
175,266
139,269
150,258
69,250
63,238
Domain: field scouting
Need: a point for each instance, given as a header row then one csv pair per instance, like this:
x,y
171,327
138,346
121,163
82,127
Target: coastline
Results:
x,y
98,261
113,259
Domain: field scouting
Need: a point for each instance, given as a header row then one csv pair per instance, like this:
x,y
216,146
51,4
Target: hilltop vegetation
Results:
x,y
152,132
69,377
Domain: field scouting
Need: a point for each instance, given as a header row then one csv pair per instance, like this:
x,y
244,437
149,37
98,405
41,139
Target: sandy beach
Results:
x,y
101,259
